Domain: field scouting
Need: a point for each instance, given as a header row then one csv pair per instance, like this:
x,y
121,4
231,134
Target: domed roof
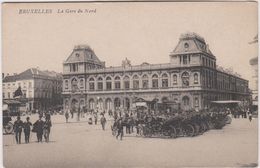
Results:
x,y
83,53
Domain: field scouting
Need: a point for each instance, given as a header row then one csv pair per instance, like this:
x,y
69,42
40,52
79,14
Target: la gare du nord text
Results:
x,y
49,11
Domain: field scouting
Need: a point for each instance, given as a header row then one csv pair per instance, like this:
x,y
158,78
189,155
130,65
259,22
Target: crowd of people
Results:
x,y
40,127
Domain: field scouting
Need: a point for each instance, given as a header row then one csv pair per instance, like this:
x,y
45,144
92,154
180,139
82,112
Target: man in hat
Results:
x,y
120,129
18,126
39,128
27,129
103,121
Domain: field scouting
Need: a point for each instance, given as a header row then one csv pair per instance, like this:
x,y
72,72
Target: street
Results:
x,y
78,144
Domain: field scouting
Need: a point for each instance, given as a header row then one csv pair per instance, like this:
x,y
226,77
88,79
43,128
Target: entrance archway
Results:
x,y
117,103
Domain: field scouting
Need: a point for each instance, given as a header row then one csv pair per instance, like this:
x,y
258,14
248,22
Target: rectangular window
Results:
x,y
145,84
109,86
136,84
127,85
91,86
30,84
155,83
185,60
165,83
117,85
100,85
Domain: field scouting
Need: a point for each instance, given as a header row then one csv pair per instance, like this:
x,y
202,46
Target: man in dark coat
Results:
x,y
39,128
47,128
18,126
27,129
103,121
120,129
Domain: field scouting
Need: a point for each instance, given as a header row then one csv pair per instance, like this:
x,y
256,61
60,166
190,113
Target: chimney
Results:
x,y
3,75
7,74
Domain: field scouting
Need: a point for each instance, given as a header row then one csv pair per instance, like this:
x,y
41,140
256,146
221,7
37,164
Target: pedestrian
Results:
x,y
120,129
78,114
47,128
67,115
103,121
38,128
18,126
71,112
95,118
27,129
90,121
250,116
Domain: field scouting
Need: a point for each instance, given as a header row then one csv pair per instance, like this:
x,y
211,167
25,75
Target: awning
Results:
x,y
11,102
226,101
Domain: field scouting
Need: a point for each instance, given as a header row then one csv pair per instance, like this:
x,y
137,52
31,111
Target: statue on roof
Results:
x,y
126,63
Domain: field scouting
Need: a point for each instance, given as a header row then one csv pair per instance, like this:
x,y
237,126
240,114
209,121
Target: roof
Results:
x,y
11,78
83,53
30,73
225,101
11,102
191,43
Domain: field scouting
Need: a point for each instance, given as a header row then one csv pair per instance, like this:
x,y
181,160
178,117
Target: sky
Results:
x,y
142,32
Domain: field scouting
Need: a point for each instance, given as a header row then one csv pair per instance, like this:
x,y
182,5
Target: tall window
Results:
x,y
66,84
73,67
135,82
196,78
117,82
126,82
196,102
155,81
91,84
185,59
100,83
108,83
74,84
30,84
164,80
145,81
186,101
185,78
81,83
174,79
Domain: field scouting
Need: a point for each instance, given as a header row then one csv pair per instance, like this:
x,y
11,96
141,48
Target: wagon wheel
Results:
x,y
146,132
141,131
189,130
9,128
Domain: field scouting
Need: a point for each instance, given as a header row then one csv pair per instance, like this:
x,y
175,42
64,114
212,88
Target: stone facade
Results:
x,y
191,79
41,89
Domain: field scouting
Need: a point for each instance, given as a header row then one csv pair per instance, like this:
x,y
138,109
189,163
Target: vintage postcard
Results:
x,y
130,84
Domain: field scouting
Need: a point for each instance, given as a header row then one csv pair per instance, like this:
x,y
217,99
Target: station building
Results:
x,y
191,78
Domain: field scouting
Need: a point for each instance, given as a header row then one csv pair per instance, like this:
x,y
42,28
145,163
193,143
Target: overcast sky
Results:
x,y
142,32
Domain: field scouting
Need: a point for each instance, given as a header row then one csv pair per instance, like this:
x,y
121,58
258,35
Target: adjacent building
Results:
x,y
40,89
191,78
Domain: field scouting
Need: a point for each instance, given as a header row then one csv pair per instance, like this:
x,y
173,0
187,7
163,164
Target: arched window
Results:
x,y
164,80
174,79
117,83
127,82
108,83
196,78
100,83
186,101
145,81
91,84
185,79
66,84
91,104
155,81
135,82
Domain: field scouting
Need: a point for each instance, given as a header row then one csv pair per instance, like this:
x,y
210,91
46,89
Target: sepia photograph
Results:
x,y
130,84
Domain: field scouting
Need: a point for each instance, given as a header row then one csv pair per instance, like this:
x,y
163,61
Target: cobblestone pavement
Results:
x,y
77,144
